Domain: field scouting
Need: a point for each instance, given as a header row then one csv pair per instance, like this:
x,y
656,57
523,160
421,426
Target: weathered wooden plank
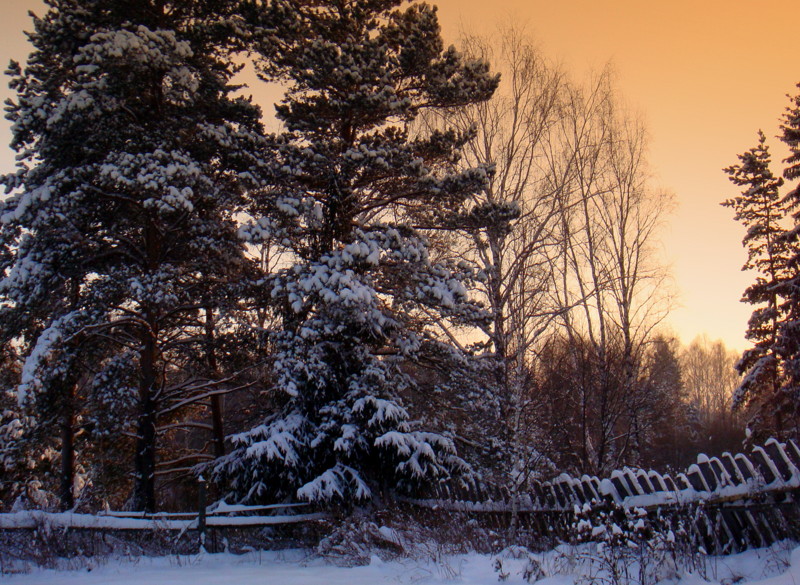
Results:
x,y
580,494
764,524
669,482
735,529
644,481
779,459
590,489
793,452
565,484
633,483
704,526
567,498
621,486
609,492
719,470
726,541
538,494
764,466
695,478
739,520
730,466
756,530
657,481
709,477
554,499
745,467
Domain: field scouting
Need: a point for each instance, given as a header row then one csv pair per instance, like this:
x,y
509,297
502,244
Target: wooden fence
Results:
x,y
727,504
206,524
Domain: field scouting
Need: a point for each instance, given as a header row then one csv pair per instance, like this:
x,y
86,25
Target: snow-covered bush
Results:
x,y
355,540
627,545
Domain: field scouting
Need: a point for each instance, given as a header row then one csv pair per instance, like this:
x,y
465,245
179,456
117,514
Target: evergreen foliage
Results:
x,y
358,294
16,460
771,368
762,211
134,157
787,401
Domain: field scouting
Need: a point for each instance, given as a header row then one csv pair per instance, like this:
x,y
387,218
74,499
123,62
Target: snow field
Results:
x,y
778,565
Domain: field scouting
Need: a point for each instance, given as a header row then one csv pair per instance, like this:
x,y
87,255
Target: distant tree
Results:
x,y
133,162
709,375
664,421
580,403
357,294
762,211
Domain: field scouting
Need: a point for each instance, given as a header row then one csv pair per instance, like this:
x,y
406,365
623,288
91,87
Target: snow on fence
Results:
x,y
730,503
221,516
32,519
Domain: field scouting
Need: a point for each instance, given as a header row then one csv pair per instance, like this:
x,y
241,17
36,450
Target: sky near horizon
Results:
x,y
704,75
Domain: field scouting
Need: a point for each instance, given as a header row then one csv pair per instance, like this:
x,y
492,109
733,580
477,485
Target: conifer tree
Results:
x,y
762,211
786,403
16,460
358,291
134,157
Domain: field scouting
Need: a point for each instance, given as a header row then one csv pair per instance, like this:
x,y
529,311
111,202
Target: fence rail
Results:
x,y
33,519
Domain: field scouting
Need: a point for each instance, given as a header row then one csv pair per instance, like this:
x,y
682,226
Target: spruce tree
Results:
x,y
134,157
762,211
358,294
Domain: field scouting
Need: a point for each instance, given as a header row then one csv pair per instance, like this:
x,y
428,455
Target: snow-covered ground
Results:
x,y
779,565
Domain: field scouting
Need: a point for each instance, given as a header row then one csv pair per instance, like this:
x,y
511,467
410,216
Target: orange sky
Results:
x,y
706,75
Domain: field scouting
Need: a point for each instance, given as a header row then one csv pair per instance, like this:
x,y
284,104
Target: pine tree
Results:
x,y
16,460
786,403
762,211
358,293
134,157
790,135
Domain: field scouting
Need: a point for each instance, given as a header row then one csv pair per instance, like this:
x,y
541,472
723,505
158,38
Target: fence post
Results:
x,y
201,513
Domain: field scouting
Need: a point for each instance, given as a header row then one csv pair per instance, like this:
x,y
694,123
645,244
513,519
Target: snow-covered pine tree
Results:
x,y
786,404
16,458
790,135
134,157
358,291
762,212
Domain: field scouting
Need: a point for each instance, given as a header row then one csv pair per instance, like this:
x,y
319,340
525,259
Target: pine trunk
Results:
x,y
144,497
68,451
216,403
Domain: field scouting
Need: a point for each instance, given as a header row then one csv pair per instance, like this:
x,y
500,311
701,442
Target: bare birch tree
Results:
x,y
576,272
607,278
512,137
